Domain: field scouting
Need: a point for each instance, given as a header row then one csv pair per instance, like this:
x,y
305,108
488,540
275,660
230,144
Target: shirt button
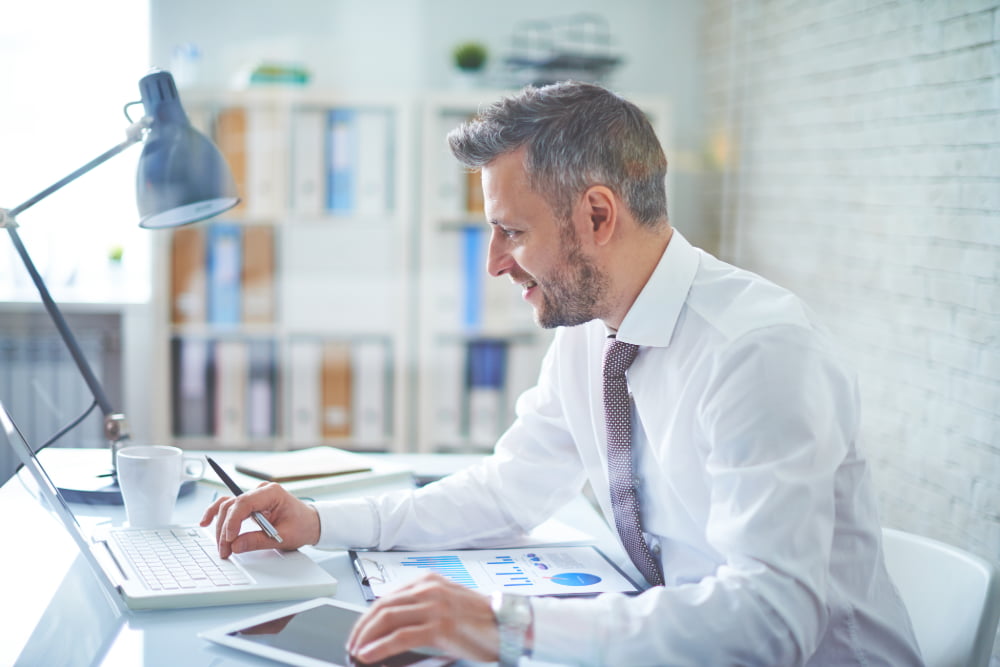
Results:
x,y
656,549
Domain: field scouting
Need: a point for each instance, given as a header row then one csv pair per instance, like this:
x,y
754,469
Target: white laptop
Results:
x,y
261,576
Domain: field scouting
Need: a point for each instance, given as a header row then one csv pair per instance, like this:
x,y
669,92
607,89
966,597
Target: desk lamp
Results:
x,y
182,178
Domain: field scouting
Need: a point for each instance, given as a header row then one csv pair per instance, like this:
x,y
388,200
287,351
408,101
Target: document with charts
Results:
x,y
536,570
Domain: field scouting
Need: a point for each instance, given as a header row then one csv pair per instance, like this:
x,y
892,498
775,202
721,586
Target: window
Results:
x,y
69,68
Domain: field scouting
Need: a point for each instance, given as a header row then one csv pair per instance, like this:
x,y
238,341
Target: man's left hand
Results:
x,y
429,612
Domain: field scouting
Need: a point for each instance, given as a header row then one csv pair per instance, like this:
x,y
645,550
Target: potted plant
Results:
x,y
470,56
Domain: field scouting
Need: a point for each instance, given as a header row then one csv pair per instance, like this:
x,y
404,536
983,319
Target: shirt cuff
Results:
x,y
347,524
565,630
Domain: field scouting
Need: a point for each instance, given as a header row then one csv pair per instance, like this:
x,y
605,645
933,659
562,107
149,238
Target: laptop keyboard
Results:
x,y
178,558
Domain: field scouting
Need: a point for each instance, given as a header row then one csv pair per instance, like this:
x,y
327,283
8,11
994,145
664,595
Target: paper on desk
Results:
x,y
380,475
291,466
539,570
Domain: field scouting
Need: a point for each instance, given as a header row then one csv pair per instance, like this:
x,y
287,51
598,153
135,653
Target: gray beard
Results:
x,y
572,296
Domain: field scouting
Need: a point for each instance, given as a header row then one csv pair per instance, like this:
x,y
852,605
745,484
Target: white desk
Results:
x,y
56,612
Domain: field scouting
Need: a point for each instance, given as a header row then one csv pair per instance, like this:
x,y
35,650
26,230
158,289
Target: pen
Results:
x,y
363,578
264,524
359,568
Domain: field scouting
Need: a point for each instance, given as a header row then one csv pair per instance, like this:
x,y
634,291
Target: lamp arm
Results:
x,y
133,135
115,426
57,318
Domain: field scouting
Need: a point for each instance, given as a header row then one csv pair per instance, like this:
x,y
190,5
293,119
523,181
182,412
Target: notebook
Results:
x,y
302,464
260,576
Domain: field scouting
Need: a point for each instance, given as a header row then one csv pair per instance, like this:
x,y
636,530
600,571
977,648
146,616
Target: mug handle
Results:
x,y
189,463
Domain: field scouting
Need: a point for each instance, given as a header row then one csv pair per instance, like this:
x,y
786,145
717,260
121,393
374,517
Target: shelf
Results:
x,y
285,319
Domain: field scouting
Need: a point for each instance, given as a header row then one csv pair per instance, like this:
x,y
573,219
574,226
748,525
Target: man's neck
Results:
x,y
636,262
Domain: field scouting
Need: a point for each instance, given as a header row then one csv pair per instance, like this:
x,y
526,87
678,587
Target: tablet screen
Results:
x,y
321,633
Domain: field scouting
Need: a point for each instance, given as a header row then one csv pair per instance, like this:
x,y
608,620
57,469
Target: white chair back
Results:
x,y
953,598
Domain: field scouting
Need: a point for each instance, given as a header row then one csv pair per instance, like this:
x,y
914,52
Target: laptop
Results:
x,y
260,576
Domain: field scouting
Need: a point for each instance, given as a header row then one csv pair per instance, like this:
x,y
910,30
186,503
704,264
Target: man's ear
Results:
x,y
601,209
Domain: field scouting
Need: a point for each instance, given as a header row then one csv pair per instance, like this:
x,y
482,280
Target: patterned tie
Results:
x,y
618,356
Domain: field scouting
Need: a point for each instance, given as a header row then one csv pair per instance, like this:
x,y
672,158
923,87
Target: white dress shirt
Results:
x,y
753,493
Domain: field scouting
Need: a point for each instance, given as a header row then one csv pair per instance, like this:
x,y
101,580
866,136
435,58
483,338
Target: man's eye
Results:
x,y
509,233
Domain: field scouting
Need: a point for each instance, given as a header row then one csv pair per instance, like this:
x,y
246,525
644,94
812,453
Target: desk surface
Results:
x,y
56,611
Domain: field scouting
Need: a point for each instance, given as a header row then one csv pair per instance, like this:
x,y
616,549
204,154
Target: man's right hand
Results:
x,y
296,521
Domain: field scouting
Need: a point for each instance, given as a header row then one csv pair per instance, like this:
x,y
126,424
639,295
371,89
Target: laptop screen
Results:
x,y
47,492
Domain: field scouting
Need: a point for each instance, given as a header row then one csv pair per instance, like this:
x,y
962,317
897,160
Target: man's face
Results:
x,y
540,253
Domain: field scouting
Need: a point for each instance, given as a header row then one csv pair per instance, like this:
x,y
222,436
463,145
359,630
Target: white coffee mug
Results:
x,y
150,477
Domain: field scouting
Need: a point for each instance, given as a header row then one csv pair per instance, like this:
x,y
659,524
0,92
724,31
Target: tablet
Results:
x,y
311,634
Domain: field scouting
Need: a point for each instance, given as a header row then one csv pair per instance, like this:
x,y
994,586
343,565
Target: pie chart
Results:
x,y
574,579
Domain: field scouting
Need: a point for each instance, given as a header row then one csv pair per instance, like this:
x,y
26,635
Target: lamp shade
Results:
x,y
182,177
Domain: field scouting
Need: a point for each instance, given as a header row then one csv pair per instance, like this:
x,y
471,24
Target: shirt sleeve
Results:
x,y
779,417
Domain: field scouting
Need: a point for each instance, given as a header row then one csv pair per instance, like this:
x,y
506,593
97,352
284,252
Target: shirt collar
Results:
x,y
653,317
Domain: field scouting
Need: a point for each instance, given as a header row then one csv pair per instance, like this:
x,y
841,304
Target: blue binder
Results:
x,y
473,276
341,161
225,270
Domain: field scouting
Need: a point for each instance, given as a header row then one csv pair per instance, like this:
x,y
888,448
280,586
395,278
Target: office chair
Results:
x,y
953,598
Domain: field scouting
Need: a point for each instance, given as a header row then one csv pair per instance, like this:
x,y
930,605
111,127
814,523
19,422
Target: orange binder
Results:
x,y
474,202
474,192
258,274
187,275
336,389
231,138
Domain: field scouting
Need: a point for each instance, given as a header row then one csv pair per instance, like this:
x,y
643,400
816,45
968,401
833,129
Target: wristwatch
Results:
x,y
513,613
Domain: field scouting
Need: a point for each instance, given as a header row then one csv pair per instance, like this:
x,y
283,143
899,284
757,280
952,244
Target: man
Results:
x,y
722,447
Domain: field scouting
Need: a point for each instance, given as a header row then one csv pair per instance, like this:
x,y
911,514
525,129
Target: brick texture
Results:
x,y
856,147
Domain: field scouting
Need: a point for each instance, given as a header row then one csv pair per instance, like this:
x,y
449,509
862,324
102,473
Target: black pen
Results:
x,y
264,524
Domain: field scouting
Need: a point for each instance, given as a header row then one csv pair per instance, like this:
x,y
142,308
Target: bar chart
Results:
x,y
449,566
506,572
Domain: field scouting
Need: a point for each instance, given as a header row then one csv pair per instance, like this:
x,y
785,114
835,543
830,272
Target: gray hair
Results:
x,y
577,135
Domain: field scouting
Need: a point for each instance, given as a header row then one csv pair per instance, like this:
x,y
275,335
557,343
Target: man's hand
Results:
x,y
430,612
295,521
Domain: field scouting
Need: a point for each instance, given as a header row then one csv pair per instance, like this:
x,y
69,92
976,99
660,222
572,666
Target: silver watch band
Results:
x,y
514,616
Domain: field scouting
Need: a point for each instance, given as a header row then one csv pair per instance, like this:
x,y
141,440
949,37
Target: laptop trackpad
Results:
x,y
273,563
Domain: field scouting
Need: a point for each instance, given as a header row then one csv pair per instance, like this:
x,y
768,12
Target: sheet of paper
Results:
x,y
380,478
540,570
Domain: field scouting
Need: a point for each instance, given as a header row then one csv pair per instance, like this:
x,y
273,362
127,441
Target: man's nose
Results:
x,y
498,258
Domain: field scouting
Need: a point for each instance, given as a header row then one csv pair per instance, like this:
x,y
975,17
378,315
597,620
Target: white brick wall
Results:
x,y
863,172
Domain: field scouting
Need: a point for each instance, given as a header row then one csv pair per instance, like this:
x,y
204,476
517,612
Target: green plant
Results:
x,y
470,56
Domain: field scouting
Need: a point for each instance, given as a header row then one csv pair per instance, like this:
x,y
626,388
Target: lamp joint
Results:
x,y
135,132
7,219
116,427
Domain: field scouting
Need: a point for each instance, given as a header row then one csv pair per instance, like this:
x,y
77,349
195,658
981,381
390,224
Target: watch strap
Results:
x,y
514,617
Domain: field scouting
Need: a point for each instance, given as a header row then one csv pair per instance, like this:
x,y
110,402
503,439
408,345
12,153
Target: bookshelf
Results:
x,y
478,344
345,301
285,320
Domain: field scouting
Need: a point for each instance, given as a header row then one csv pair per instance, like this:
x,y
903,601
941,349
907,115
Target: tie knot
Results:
x,y
618,356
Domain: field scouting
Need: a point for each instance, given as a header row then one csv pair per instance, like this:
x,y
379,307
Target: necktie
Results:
x,y
618,356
